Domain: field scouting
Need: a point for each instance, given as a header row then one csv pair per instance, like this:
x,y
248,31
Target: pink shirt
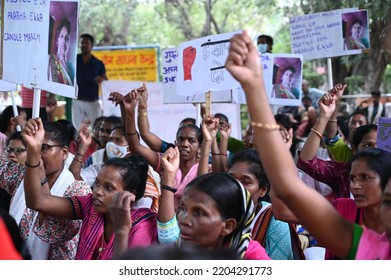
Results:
x,y
255,251
180,181
373,246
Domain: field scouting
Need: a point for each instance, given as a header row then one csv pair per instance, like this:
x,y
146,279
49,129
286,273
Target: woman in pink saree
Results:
x,y
121,179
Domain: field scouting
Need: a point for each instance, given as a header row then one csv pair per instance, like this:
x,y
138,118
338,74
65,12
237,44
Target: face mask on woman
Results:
x,y
115,151
262,48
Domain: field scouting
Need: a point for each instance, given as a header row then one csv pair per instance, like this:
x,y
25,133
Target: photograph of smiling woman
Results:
x,y
62,42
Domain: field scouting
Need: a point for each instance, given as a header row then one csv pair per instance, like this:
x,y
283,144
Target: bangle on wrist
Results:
x,y
131,133
168,188
78,160
144,114
80,155
317,133
269,126
32,166
142,106
330,120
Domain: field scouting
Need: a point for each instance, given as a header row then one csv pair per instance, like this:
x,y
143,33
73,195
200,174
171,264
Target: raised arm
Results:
x,y
311,145
310,207
37,195
170,162
209,130
151,139
130,103
332,127
280,210
117,98
222,158
79,158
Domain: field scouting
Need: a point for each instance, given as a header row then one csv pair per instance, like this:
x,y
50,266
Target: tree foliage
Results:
x,y
171,22
109,21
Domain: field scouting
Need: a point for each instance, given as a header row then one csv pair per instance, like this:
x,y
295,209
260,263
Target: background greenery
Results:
x,y
168,23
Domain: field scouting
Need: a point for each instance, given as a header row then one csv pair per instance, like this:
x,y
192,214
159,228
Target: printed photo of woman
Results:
x,y
62,38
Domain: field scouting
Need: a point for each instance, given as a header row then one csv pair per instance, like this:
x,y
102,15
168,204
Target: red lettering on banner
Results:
x,y
147,59
107,59
126,59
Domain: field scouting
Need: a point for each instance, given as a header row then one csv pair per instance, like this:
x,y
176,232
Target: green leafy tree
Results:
x,y
109,21
171,22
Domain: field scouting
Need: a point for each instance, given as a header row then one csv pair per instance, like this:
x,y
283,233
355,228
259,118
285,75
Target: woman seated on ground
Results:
x,y
368,167
330,172
117,147
214,212
274,234
245,166
47,237
119,179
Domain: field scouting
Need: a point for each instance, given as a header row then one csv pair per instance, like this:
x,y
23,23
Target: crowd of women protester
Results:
x,y
97,192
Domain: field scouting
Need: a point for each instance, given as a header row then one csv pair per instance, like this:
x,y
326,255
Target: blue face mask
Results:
x,y
262,48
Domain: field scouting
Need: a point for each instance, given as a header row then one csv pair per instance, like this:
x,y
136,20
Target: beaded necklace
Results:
x,y
101,248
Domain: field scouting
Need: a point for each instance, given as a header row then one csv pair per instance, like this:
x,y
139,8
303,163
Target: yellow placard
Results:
x,y
130,65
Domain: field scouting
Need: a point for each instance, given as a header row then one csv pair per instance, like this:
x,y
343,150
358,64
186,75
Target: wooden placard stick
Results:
x,y
208,104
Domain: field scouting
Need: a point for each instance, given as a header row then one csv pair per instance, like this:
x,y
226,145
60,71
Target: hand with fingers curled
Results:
x,y
116,98
170,161
210,126
327,98
130,100
85,137
327,104
120,211
142,95
338,90
84,128
33,134
225,130
243,61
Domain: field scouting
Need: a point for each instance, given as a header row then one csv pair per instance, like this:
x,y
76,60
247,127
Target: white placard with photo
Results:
x,y
330,33
40,44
